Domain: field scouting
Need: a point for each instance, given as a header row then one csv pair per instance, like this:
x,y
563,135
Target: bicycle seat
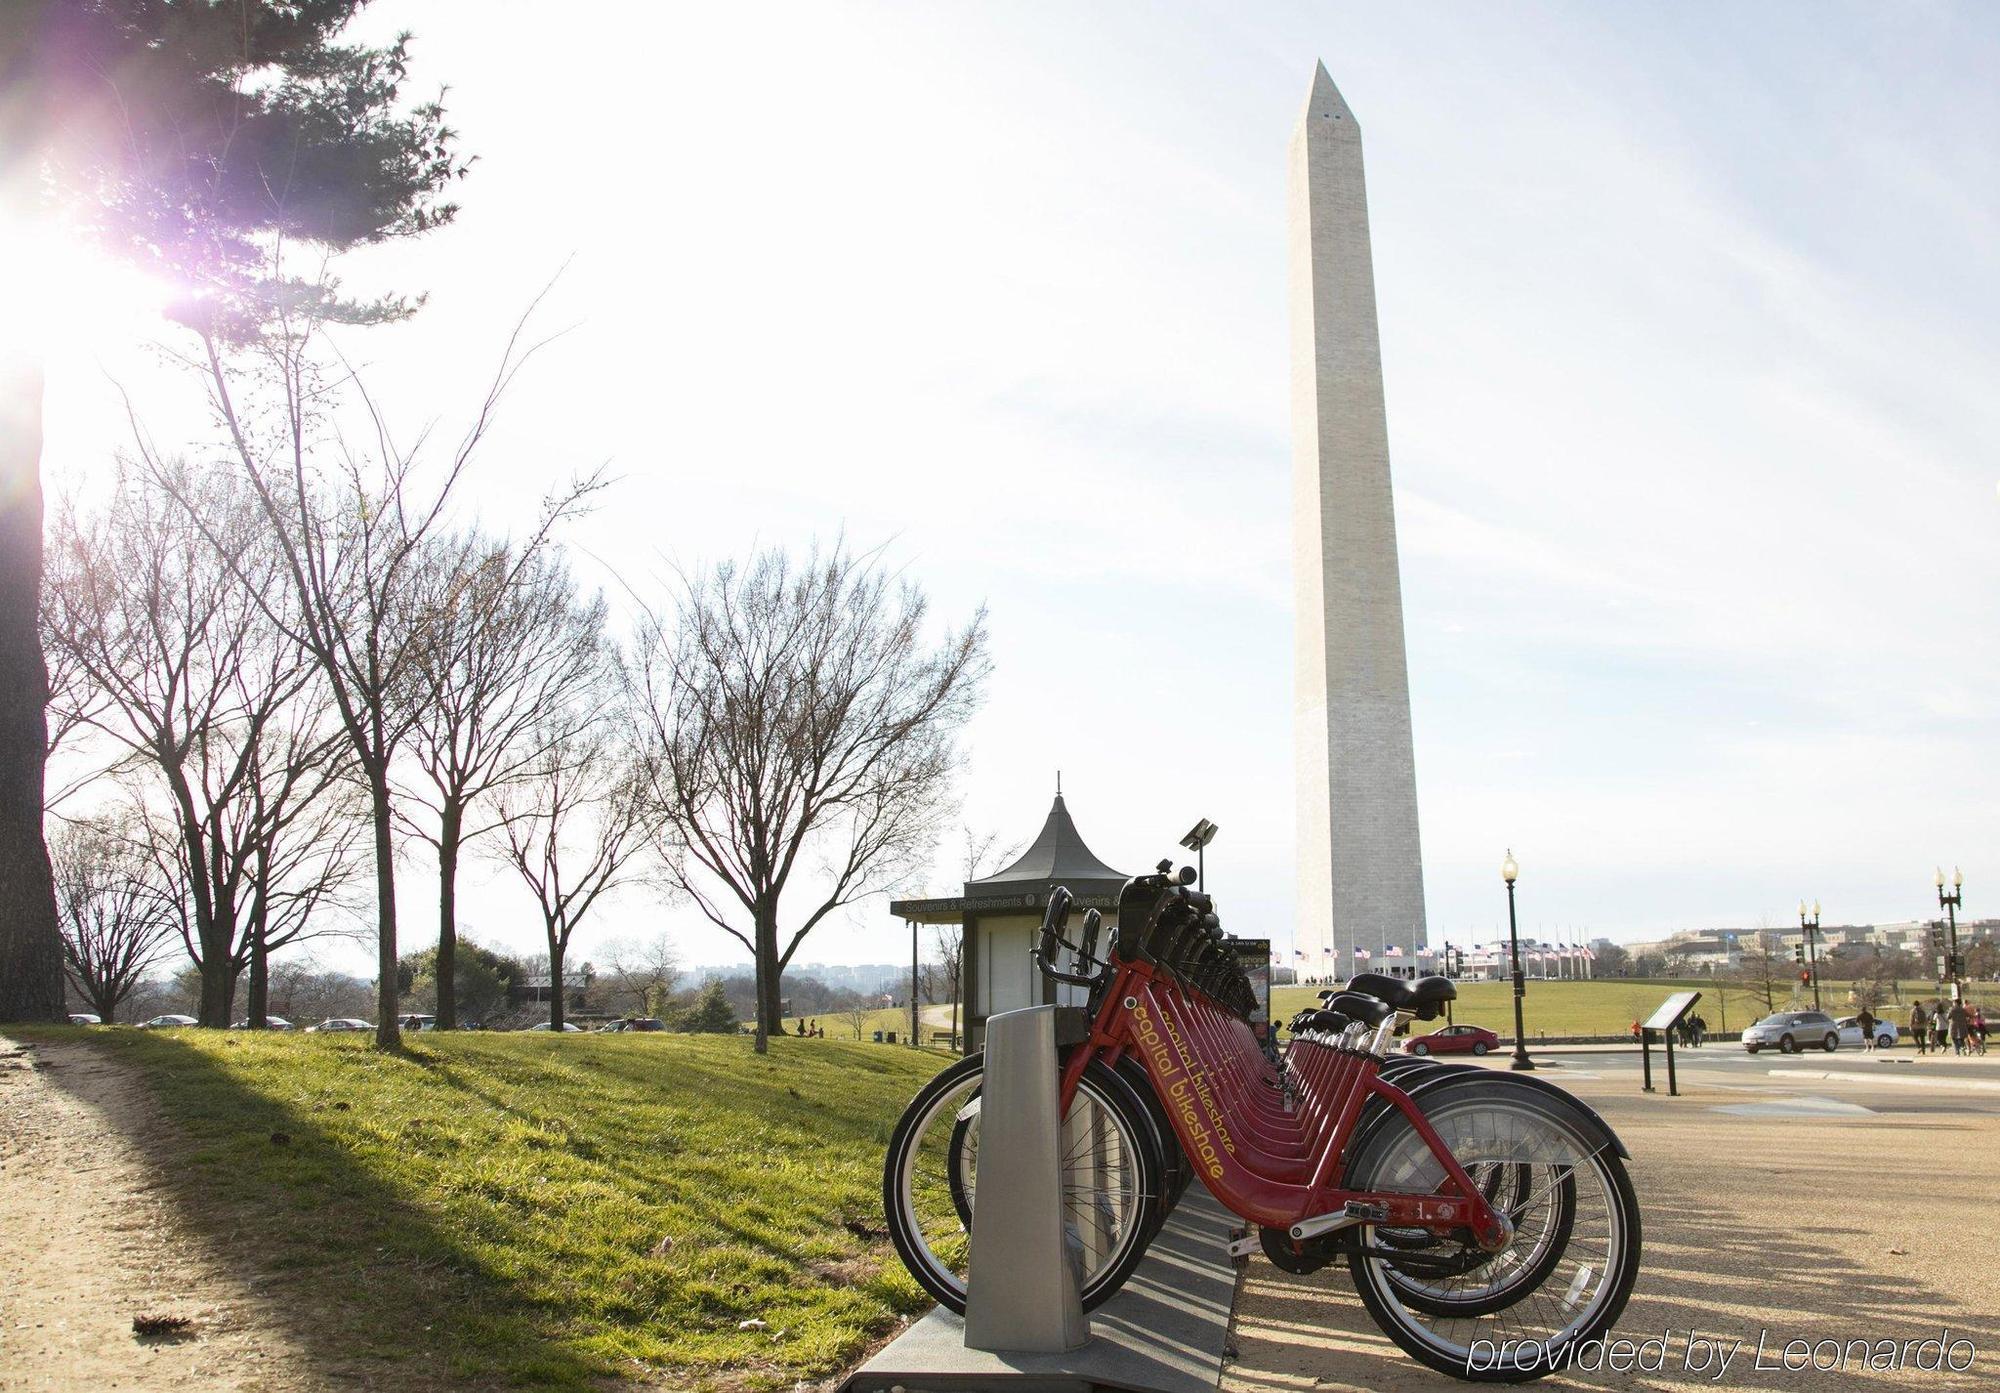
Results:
x,y
1423,998
1369,1010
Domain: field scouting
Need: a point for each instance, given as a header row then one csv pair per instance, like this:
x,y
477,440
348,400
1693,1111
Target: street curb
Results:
x,y
1901,1080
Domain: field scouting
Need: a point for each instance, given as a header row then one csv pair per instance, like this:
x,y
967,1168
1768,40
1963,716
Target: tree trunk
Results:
x,y
31,979
260,977
451,827
218,959
388,1035
218,989
770,999
556,1003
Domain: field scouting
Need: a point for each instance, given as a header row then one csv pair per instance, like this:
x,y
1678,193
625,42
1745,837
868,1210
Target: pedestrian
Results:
x,y
1700,1031
1866,1020
1979,1029
1961,1022
1940,1026
1920,1027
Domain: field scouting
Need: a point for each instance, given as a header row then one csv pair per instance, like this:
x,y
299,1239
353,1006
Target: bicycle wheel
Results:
x,y
962,1165
1540,1201
1510,1316
1110,1193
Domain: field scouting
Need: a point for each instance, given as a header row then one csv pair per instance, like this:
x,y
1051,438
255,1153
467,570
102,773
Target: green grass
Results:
x,y
1609,1006
897,1018
491,1210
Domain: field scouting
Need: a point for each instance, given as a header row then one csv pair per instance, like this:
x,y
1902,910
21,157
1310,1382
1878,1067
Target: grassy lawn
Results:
x,y
495,1210
1609,1007
838,1026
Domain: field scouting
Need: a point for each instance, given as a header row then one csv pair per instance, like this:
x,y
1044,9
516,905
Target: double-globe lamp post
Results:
x,y
1949,903
1508,871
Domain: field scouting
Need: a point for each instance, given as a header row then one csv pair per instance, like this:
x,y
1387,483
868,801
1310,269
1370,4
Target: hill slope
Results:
x,y
544,1211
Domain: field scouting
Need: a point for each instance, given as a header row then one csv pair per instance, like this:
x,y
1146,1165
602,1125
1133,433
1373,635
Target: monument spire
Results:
x,y
1359,863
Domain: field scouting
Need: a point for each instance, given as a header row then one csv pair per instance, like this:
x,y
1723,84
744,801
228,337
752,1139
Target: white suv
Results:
x,y
1792,1031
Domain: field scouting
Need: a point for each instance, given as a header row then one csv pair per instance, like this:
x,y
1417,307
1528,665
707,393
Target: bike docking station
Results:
x,y
1663,1023
1024,1329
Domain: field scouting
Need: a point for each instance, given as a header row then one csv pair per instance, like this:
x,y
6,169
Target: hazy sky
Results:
x,y
1688,319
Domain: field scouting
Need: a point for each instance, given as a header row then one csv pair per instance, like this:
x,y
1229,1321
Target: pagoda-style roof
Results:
x,y
1057,856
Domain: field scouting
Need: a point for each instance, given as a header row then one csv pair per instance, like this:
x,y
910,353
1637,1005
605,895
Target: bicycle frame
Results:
x,y
1237,1141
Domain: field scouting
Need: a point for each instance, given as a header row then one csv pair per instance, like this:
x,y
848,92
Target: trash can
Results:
x,y
878,1037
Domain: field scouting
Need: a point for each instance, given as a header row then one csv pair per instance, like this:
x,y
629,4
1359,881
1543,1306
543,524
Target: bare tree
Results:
x,y
510,647
115,920
801,725
307,855
1762,967
354,521
218,715
980,854
572,827
75,701
948,965
645,970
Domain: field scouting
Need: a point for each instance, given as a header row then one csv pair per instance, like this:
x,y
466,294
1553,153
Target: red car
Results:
x,y
1454,1039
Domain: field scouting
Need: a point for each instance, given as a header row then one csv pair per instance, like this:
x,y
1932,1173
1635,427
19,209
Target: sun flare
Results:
x,y
67,295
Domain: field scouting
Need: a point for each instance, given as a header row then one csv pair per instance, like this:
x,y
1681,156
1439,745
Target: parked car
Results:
x,y
567,1027
334,1023
1850,1033
636,1023
84,1018
1454,1039
270,1023
167,1022
1792,1031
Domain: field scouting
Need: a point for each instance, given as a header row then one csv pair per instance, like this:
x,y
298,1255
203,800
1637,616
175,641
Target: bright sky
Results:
x,y
1688,327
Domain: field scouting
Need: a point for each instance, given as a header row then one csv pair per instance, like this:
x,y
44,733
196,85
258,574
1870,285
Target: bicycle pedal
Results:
x,y
1367,1213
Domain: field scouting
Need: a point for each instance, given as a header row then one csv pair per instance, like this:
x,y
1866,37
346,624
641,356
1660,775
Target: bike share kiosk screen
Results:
x,y
1253,958
1664,1022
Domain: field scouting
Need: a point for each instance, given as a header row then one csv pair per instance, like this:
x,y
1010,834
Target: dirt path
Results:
x,y
88,1242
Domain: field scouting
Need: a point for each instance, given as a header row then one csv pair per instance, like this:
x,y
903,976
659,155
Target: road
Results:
x,y
1897,1081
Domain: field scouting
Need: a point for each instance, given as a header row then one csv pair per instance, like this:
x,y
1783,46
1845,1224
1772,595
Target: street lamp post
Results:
x,y
1949,902
1811,927
1508,871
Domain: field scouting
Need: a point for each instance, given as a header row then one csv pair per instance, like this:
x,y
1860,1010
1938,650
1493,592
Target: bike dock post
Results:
x,y
1022,1290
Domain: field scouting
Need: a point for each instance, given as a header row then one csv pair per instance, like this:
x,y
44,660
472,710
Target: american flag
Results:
x,y
1298,952
1394,950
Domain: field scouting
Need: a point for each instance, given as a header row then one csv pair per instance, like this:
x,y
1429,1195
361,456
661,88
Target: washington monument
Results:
x,y
1361,878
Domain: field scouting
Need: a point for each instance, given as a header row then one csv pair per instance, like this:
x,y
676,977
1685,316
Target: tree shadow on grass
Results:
x,y
364,1281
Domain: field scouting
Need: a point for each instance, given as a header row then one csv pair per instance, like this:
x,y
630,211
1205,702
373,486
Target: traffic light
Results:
x,y
1798,952
1805,977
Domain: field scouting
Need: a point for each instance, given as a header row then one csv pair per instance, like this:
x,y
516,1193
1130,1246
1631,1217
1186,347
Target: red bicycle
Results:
x,y
1486,1218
